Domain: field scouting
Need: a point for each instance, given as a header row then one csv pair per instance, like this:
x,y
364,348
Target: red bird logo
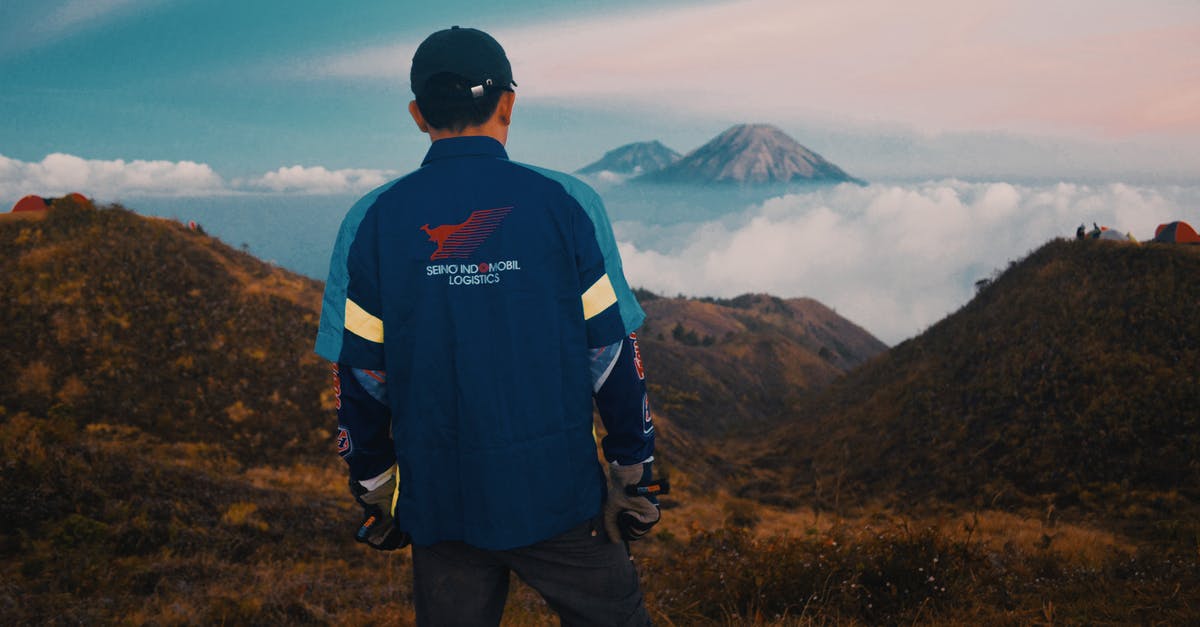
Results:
x,y
459,241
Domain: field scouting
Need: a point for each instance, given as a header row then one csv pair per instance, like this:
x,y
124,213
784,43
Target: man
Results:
x,y
474,309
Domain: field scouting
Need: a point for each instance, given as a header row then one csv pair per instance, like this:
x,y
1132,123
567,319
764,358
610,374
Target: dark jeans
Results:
x,y
585,578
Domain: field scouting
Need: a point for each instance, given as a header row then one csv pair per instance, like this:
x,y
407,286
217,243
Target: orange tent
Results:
x,y
1176,233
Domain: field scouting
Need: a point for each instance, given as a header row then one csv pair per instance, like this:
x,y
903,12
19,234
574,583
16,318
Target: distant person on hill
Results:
x,y
474,309
1080,232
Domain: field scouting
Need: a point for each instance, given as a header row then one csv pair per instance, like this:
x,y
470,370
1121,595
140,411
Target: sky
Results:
x,y
1041,88
178,100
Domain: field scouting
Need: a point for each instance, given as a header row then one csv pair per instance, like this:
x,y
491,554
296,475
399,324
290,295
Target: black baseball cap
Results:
x,y
467,52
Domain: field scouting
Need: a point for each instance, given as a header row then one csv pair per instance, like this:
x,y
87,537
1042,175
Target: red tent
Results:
x,y
30,203
37,203
1176,233
77,197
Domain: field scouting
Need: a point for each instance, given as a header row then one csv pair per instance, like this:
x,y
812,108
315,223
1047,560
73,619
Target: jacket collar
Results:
x,y
466,146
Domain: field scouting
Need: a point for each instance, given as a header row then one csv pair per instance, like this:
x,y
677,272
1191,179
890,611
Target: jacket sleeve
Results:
x,y
618,378
364,439
362,327
631,313
619,387
333,303
601,310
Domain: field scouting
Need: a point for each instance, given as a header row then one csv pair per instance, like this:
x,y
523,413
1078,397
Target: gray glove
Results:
x,y
378,529
632,507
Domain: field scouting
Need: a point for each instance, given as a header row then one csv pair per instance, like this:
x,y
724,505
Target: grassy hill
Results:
x,y
1070,380
722,372
113,316
165,437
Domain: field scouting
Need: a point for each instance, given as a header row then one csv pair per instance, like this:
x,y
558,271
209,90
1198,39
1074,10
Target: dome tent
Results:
x,y
1176,233
31,203
1104,232
79,199
1108,233
38,203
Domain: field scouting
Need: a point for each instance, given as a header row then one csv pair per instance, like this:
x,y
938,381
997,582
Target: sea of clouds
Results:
x,y
892,257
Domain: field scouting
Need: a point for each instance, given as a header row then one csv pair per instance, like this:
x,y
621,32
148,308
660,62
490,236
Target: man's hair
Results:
x,y
447,104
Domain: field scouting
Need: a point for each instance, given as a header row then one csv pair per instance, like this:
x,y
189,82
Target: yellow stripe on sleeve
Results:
x,y
396,492
363,324
598,297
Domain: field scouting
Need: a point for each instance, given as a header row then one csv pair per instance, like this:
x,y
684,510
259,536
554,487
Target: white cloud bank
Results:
x,y
318,180
893,259
59,173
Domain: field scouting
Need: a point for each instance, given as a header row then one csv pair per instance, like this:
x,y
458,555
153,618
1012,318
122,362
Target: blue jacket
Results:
x,y
478,284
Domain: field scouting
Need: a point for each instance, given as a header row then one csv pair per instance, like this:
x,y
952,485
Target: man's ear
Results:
x,y
505,107
415,112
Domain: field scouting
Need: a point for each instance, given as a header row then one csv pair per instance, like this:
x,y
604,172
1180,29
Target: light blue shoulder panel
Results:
x,y
333,304
631,312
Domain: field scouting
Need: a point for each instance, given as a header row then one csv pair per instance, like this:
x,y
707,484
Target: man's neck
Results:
x,y
495,127
498,132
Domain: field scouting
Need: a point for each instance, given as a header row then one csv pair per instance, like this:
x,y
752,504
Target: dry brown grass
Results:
x,y
187,535
22,216
315,480
293,288
874,565
1074,545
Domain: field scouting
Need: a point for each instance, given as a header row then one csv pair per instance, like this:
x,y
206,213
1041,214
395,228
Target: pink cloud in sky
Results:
x,y
1113,84
1099,68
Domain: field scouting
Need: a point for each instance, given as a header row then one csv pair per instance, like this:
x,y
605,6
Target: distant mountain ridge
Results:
x,y
633,159
751,154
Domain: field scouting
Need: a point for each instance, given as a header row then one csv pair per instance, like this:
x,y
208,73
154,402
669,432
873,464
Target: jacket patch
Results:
x,y
637,357
344,445
337,388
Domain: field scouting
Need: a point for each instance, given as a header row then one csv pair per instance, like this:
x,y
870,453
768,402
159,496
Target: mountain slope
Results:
x,y
750,154
726,368
112,316
165,437
1072,378
633,159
